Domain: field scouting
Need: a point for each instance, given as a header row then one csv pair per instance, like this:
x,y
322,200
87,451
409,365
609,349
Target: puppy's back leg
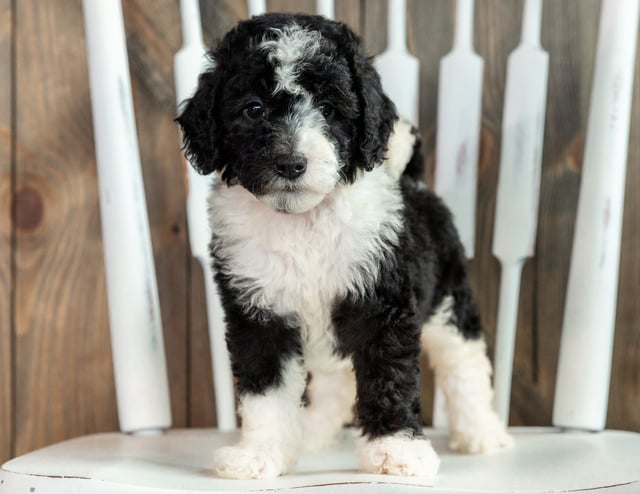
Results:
x,y
457,354
331,399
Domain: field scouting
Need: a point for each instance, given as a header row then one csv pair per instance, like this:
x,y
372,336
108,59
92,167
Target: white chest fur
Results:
x,y
300,263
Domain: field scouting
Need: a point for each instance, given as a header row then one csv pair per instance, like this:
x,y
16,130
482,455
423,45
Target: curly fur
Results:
x,y
333,266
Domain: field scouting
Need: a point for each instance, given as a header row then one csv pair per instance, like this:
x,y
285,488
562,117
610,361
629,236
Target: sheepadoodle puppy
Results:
x,y
332,258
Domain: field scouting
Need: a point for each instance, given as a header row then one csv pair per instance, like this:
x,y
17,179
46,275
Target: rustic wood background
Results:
x,y
55,361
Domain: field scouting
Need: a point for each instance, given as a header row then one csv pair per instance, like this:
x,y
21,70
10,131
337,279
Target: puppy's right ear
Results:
x,y
199,127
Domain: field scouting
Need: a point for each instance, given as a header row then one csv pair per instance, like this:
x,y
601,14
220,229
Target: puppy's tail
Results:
x,y
415,167
404,156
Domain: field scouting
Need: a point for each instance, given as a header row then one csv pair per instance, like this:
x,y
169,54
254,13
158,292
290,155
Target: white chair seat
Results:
x,y
543,460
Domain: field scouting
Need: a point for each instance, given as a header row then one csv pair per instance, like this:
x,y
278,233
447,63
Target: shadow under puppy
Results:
x,y
331,255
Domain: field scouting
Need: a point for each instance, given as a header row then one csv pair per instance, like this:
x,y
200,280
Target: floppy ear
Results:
x,y
377,112
198,122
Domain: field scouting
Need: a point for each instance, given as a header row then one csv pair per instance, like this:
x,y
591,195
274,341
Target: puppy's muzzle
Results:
x,y
291,167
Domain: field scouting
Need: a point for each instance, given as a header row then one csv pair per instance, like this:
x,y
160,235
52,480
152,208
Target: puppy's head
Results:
x,y
290,108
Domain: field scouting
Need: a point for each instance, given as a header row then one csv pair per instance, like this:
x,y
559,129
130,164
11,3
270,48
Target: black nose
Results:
x,y
292,167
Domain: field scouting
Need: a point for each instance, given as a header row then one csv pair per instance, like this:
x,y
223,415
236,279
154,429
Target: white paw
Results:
x,y
245,461
486,436
399,455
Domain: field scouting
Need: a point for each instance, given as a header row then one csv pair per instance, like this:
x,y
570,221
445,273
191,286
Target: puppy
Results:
x,y
331,256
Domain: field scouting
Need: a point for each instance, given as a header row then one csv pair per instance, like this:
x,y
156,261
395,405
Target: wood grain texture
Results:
x,y
63,372
202,412
153,37
570,31
64,381
297,7
218,16
349,12
624,404
6,179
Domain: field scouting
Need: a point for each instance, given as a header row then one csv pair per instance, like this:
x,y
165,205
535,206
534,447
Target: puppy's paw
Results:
x,y
247,461
399,455
486,436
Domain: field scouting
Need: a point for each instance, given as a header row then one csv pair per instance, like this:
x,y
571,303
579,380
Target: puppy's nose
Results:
x,y
292,167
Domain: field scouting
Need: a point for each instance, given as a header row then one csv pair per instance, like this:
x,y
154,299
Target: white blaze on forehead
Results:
x,y
286,52
304,122
309,129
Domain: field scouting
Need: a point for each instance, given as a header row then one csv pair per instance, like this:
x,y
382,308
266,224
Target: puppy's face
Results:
x,y
290,109
288,120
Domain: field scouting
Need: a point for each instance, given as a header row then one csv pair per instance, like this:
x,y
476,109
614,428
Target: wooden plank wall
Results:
x,y
6,136
54,340
62,372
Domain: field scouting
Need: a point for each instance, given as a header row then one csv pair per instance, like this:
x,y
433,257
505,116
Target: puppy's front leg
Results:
x,y
266,357
388,400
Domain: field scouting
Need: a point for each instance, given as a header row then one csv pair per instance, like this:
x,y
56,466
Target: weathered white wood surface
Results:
x,y
459,114
134,308
327,8
543,460
586,347
398,69
516,217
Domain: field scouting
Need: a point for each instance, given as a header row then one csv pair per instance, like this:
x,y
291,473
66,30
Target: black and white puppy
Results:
x,y
331,255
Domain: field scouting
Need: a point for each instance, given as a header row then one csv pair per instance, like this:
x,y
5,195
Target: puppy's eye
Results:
x,y
326,109
255,109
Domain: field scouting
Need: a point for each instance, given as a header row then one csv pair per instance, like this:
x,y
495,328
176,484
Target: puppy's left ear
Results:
x,y
377,112
198,122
